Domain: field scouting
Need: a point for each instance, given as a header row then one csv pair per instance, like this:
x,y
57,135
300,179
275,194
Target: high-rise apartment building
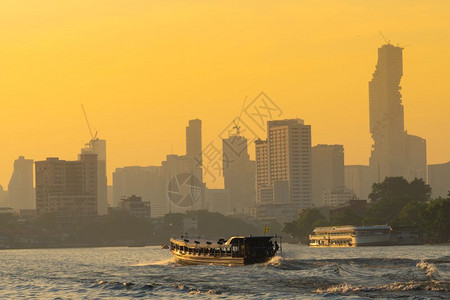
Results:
x,y
390,141
20,188
239,174
285,158
67,189
327,170
97,146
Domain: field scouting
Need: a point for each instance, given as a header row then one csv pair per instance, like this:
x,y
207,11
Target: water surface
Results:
x,y
418,272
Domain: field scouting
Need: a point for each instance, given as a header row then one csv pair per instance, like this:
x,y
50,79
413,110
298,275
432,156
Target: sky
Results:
x,y
143,68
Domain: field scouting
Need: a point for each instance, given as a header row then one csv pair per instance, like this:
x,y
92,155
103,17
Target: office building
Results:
x,y
194,140
218,200
439,179
416,157
239,174
134,207
97,146
327,170
20,188
135,180
337,196
358,179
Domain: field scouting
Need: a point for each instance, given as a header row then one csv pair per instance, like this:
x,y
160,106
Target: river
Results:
x,y
297,272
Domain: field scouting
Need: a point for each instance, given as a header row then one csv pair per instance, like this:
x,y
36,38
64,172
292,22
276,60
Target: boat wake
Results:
x,y
165,262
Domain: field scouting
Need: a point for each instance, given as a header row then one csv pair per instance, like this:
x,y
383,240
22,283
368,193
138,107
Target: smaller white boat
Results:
x,y
351,236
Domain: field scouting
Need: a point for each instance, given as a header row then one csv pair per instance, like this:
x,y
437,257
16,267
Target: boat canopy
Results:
x,y
221,243
350,228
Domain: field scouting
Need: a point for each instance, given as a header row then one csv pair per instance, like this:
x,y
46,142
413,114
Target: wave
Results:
x,y
429,268
154,287
345,288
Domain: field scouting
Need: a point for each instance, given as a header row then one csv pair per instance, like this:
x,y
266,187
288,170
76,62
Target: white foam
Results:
x,y
164,262
429,268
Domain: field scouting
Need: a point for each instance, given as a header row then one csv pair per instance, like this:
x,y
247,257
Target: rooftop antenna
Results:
x,y
236,124
93,137
388,42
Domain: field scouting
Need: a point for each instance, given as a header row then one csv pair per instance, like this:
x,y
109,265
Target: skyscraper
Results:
x,y
284,170
194,140
327,170
97,146
386,115
181,181
389,155
67,189
20,188
239,174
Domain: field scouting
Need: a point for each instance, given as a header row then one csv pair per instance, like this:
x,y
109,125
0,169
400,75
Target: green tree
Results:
x,y
347,217
413,214
389,197
437,217
301,228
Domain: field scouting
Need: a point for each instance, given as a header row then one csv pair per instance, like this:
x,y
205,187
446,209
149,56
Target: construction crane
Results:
x,y
236,124
93,137
387,42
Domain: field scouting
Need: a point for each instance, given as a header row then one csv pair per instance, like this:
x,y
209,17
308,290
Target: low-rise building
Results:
x,y
132,206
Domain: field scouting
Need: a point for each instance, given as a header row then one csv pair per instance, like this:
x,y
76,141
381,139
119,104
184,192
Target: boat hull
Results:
x,y
195,259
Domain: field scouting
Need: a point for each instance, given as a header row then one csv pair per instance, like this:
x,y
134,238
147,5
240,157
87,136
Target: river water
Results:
x,y
416,272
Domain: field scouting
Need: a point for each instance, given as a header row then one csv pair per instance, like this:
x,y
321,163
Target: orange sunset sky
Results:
x,y
143,68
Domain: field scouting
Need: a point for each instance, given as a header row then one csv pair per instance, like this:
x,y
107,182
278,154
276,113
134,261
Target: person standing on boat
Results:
x,y
276,248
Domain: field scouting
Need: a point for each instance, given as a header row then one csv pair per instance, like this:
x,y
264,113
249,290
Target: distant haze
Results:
x,y
142,69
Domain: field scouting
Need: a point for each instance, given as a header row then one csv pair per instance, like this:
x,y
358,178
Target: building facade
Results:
x,y
284,168
67,189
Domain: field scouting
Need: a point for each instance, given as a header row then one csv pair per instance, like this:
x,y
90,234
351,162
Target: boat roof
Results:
x,y
350,227
192,242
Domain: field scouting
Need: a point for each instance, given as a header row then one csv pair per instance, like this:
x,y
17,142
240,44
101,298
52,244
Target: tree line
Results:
x,y
394,202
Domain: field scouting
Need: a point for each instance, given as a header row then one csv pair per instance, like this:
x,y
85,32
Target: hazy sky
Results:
x,y
143,68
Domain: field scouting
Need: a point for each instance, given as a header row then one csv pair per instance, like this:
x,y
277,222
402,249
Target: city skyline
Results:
x,y
313,76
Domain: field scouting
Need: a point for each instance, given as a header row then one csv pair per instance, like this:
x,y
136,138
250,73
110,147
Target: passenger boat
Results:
x,y
351,236
238,250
